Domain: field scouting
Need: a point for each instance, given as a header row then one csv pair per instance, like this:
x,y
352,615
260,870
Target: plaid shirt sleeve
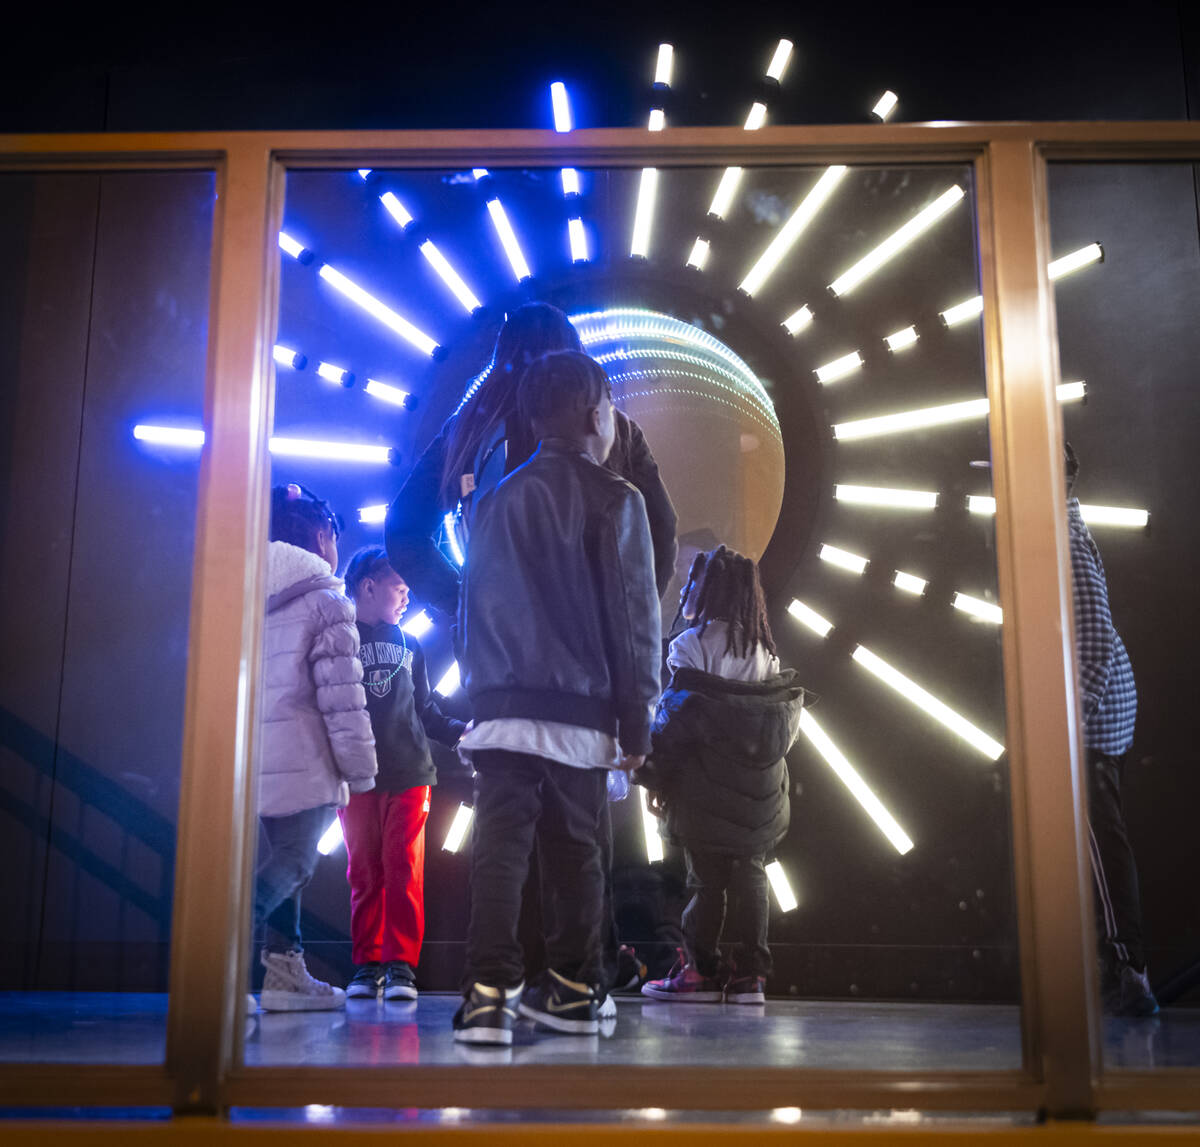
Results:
x,y
1094,635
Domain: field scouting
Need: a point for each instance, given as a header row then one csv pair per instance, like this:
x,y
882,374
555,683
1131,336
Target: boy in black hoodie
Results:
x,y
385,828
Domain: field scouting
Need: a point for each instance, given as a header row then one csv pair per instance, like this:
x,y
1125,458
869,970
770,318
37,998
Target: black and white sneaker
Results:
x,y
487,1015
562,1005
398,982
368,979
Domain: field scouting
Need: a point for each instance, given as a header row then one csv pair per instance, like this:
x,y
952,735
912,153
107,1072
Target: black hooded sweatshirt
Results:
x,y
403,713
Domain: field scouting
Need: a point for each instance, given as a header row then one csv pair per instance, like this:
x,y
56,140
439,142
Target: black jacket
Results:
x,y
718,760
417,511
401,707
559,618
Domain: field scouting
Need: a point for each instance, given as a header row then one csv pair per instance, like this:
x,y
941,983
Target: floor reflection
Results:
x,y
68,1027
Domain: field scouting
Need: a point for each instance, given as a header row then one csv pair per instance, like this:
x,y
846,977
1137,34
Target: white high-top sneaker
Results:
x,y
287,986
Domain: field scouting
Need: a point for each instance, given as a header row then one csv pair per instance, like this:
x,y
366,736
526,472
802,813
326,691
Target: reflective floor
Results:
x,y
65,1027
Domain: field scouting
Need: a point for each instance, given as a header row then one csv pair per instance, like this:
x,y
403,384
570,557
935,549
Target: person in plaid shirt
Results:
x,y
1109,699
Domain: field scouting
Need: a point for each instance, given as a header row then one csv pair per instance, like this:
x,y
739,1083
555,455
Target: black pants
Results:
x,y
709,877
521,800
1118,903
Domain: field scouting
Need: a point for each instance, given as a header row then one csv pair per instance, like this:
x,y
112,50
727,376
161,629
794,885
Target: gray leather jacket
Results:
x,y
315,743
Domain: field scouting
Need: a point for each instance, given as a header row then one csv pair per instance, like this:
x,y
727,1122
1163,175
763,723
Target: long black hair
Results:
x,y
730,591
298,516
528,333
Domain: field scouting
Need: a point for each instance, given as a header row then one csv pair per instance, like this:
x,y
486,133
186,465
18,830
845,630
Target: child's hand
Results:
x,y
630,763
655,803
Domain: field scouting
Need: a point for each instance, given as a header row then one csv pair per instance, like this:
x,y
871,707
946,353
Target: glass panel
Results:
x,y
105,303
801,348
1127,332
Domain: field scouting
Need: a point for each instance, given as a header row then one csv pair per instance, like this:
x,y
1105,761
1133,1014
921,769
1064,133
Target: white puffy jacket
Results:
x,y
315,743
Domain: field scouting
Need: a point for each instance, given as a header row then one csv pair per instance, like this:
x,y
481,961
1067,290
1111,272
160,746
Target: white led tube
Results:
x,y
798,320
859,789
961,312
290,246
373,515
910,583
787,235
897,241
658,119
977,607
450,277
578,240
418,625
570,181
885,106
928,703
643,215
839,368
664,65
168,435
699,255
1085,256
285,356
726,190
331,838
810,617
331,451
981,504
378,310
459,827
1114,516
781,886
901,339
448,525
331,373
386,393
449,682
654,846
757,117
843,559
396,209
779,61
561,105
508,240
885,496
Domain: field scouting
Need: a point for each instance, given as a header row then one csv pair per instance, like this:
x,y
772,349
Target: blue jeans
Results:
x,y
283,875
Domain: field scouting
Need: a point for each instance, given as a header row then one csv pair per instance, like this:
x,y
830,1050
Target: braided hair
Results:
x,y
298,516
370,561
729,590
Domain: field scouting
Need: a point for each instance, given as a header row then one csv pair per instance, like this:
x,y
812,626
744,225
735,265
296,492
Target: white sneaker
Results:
x,y
287,986
608,1008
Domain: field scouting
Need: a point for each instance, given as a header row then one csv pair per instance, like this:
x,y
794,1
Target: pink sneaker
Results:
x,y
685,984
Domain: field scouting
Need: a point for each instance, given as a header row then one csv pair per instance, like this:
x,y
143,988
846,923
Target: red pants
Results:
x,y
385,843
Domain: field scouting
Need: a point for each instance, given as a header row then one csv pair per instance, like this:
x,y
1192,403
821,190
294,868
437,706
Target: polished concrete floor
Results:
x,y
65,1027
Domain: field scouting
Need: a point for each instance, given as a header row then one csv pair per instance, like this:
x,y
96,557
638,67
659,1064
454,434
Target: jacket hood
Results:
x,y
292,572
784,686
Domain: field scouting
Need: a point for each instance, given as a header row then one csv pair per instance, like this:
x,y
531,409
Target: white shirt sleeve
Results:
x,y
685,652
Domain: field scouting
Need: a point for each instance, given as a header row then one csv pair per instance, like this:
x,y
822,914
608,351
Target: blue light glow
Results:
x,y
570,181
168,435
561,105
508,239
378,310
578,237
283,447
285,356
373,515
418,626
290,245
448,524
363,172
643,215
479,172
336,374
396,209
386,393
450,276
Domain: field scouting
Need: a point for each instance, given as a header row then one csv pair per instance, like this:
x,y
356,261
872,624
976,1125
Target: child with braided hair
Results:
x,y
315,746
718,778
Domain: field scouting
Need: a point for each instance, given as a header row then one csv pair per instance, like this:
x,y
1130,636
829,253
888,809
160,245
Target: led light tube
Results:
x,y
386,393
643,215
578,240
168,435
699,255
331,838
977,607
786,1114
284,447
843,559
897,241
452,537
859,789
779,61
911,419
373,515
757,117
787,235
331,373
654,845
570,181
961,312
658,119
1114,516
884,496
1071,391
981,504
809,617
418,625
378,310
450,681
664,65
928,703
784,896
363,172
910,583
886,105
901,339
459,827
332,451
508,239
289,245
479,173
561,106
726,190
1085,256
450,277
396,209
798,320
839,368
285,356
